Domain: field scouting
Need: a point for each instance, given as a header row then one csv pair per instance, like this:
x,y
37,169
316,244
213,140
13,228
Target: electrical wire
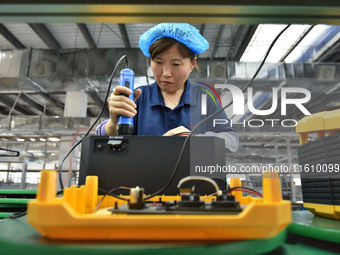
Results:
x,y
102,199
92,126
70,160
113,195
213,115
146,71
198,178
23,213
238,188
17,215
251,192
9,153
262,62
209,196
244,189
182,134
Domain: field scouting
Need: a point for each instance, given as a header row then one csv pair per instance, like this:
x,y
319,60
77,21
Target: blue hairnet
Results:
x,y
182,32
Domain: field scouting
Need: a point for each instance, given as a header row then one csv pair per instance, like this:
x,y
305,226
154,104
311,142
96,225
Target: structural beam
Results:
x,y
202,27
236,43
28,99
334,57
94,96
248,35
11,38
20,108
86,34
4,110
90,113
331,54
45,35
217,41
124,34
53,100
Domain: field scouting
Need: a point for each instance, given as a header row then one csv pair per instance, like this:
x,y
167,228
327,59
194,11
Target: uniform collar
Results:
x,y
157,98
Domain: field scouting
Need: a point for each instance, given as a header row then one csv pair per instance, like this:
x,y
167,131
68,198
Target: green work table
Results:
x,y
18,237
308,225
14,200
314,231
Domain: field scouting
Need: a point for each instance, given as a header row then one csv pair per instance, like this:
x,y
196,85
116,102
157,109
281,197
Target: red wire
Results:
x,y
248,191
182,134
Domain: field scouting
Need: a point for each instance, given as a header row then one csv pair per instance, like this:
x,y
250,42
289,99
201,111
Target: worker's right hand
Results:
x,y
119,104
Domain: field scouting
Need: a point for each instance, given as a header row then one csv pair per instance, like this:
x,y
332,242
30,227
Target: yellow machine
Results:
x,y
74,216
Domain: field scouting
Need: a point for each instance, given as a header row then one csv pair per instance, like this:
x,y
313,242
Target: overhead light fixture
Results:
x,y
20,140
5,134
33,139
264,36
299,53
39,154
54,139
42,139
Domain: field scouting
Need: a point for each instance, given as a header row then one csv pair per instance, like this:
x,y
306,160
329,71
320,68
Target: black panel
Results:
x,y
147,161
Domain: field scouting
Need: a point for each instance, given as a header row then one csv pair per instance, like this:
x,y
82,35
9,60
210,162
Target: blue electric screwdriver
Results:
x,y
127,79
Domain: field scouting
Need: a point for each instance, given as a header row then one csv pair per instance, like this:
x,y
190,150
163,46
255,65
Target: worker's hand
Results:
x,y
119,104
178,131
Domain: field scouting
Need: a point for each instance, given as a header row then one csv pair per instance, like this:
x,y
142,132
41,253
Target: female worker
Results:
x,y
172,105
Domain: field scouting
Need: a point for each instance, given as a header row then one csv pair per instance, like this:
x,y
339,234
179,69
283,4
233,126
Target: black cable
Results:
x,y
23,213
113,195
213,115
99,203
94,123
146,71
17,215
126,62
102,199
15,153
262,62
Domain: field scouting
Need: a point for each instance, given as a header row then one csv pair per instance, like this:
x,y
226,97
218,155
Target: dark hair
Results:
x,y
166,43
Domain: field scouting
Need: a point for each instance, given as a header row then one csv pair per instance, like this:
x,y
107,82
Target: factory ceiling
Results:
x,y
41,62
49,49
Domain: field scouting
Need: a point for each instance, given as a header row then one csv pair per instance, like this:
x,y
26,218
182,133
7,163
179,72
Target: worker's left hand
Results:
x,y
178,131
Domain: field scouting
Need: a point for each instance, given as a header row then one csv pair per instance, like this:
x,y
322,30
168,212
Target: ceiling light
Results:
x,y
42,139
298,54
20,140
264,36
54,139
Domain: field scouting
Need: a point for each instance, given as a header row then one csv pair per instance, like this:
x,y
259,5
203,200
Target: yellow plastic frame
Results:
x,y
71,216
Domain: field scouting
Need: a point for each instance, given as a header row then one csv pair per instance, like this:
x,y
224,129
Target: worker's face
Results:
x,y
171,70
